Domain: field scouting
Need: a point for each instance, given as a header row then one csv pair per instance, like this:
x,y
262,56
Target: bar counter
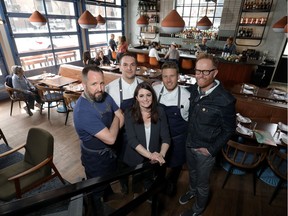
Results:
x,y
230,73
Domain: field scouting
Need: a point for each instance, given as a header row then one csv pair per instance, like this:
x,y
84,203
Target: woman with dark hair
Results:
x,y
148,137
87,58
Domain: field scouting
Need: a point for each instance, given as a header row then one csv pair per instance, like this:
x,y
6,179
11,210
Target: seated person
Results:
x,y
153,51
173,53
101,59
20,82
203,47
229,47
87,58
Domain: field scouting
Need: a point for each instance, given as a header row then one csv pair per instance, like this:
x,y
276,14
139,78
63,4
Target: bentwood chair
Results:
x,y
3,137
244,157
277,160
153,62
114,55
187,65
36,167
49,95
15,95
70,99
141,59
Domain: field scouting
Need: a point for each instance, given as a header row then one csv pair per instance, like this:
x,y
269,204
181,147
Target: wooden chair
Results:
x,y
277,161
70,99
153,62
245,157
16,95
186,64
3,137
114,55
49,95
36,168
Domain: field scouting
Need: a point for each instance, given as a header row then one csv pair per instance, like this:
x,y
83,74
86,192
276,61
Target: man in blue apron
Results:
x,y
97,120
175,101
122,91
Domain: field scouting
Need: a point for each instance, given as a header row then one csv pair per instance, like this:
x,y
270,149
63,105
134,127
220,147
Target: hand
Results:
x,y
155,156
203,151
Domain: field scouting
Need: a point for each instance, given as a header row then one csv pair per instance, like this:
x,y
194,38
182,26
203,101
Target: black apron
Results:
x,y
178,131
101,159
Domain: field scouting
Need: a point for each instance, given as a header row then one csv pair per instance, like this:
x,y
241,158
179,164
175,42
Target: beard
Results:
x,y
96,98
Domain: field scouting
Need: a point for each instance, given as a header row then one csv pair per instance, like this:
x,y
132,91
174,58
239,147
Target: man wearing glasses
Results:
x,y
212,120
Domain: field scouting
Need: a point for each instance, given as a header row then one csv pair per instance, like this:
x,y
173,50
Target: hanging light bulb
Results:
x,y
87,20
280,24
173,23
204,23
142,21
37,19
100,20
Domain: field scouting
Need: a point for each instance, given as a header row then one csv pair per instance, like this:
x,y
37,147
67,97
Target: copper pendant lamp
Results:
x,y
172,23
204,23
142,21
37,19
280,24
100,20
87,20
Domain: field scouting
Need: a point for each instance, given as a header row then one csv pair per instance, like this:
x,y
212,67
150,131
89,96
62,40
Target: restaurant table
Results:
x,y
149,73
58,81
113,68
260,93
74,87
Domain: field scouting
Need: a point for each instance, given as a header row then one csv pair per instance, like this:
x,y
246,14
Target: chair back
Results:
x,y
39,146
186,64
244,156
153,61
70,99
277,161
114,54
49,94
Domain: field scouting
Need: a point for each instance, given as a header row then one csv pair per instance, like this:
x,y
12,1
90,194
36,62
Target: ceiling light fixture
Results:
x,y
280,24
142,21
204,23
87,20
100,20
173,23
37,19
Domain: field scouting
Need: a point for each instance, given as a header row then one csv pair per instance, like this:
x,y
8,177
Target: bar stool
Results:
x,y
153,62
141,58
186,64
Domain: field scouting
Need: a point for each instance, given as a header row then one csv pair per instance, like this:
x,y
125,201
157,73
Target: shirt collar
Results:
x,y
216,83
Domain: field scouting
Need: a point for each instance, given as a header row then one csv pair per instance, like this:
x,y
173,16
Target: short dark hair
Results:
x,y
128,54
170,64
208,56
88,68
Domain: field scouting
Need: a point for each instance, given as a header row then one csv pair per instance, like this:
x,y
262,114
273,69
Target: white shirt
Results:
x,y
127,89
153,53
170,98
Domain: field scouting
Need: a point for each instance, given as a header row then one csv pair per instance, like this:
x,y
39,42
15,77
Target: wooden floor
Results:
x,y
236,199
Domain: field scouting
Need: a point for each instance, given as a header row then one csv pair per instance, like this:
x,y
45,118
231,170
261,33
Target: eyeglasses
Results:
x,y
204,72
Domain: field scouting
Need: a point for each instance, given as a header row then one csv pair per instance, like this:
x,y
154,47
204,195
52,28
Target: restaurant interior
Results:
x,y
47,38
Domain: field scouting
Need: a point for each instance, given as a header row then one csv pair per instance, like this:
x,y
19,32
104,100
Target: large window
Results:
x,y
193,10
59,41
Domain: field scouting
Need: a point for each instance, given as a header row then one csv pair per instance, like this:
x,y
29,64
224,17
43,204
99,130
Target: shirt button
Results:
x,y
203,109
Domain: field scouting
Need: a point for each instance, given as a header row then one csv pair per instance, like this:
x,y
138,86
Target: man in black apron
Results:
x,y
175,101
122,91
97,120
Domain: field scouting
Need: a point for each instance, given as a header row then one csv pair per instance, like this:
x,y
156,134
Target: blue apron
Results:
x,y
101,160
178,131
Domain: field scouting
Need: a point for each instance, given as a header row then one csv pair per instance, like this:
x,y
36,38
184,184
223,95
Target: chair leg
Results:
x,y
57,172
227,175
49,104
4,138
67,114
276,190
11,107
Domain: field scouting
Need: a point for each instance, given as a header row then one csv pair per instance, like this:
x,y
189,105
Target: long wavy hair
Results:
x,y
135,110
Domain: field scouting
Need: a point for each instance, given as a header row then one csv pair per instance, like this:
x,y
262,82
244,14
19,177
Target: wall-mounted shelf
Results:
x,y
252,22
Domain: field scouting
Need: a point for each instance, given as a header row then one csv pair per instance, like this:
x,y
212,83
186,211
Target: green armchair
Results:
x,y
36,168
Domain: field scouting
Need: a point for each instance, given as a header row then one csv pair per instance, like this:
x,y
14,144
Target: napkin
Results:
x,y
264,137
248,87
246,91
282,126
279,92
284,139
244,130
279,97
240,117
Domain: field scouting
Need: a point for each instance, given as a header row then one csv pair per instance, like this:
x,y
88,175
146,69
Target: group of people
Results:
x,y
131,121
